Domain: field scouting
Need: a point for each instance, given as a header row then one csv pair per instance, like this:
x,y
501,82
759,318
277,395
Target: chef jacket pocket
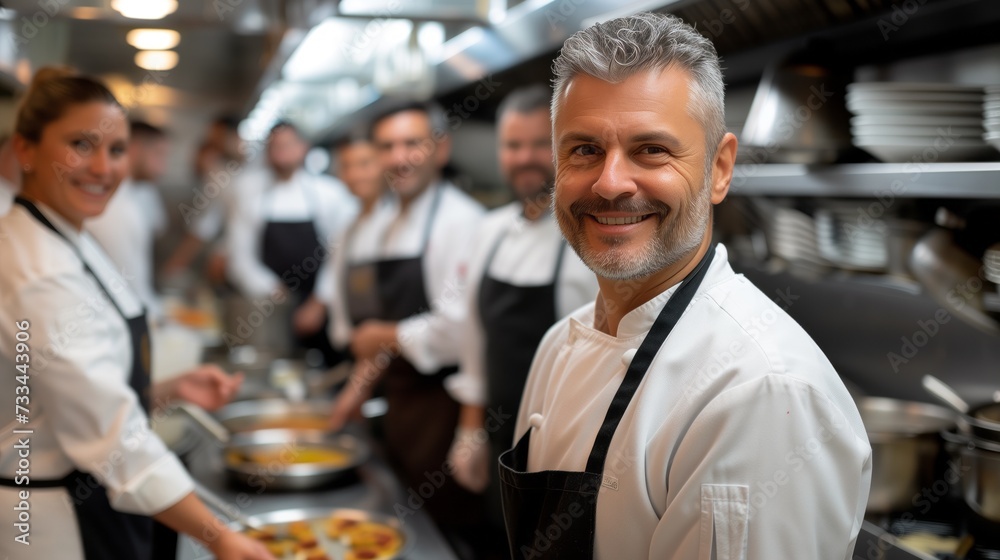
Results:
x,y
725,513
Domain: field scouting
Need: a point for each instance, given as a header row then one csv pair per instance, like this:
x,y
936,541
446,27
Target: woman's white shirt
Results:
x,y
741,436
83,413
526,256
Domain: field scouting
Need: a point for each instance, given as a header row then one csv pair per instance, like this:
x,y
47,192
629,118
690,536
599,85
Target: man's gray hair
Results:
x,y
524,100
614,50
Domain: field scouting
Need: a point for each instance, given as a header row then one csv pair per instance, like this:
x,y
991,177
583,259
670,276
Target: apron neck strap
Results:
x,y
34,211
655,338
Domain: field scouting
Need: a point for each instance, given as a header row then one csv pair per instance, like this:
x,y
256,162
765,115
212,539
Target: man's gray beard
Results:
x,y
676,238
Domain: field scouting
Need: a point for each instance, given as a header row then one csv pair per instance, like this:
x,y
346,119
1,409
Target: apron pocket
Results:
x,y
724,519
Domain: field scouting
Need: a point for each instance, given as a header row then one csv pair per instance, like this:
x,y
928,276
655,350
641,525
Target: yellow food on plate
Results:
x,y
280,547
290,456
335,526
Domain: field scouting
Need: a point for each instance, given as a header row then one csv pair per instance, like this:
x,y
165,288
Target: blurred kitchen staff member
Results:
x,y
281,224
522,279
134,218
98,475
10,176
714,439
352,271
412,343
217,161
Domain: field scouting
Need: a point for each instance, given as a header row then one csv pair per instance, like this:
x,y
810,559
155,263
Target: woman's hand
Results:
x,y
347,405
207,386
236,546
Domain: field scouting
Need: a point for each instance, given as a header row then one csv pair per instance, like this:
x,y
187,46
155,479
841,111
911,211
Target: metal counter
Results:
x,y
375,489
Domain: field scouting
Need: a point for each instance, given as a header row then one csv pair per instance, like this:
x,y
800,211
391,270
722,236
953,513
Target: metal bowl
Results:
x,y
282,472
275,414
980,465
905,443
333,548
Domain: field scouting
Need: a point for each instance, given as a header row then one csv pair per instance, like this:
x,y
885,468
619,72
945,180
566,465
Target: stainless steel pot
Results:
x,y
980,464
905,442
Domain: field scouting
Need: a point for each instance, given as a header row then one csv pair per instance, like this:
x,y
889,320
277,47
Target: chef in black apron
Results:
x,y
283,223
83,403
425,235
532,500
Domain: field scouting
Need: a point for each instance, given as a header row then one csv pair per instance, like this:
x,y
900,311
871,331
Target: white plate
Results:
x,y
913,87
908,131
922,96
914,108
895,153
916,120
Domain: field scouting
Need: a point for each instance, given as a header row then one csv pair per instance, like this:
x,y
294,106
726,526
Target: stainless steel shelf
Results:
x,y
870,180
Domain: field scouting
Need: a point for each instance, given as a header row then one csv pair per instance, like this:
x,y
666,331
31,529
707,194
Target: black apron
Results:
x,y
285,249
553,514
421,416
106,534
514,320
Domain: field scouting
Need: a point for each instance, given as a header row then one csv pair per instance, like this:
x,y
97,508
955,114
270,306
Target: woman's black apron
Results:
x,y
107,534
553,514
421,416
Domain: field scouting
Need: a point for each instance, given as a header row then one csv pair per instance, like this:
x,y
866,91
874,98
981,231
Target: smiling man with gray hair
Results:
x,y
661,421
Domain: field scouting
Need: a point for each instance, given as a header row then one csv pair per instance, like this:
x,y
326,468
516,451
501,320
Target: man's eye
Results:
x,y
653,150
586,150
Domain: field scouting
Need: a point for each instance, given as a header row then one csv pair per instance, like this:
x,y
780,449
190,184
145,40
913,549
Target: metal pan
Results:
x,y
292,460
280,520
275,414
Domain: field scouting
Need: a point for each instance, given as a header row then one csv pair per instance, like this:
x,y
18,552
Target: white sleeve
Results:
x,y
340,327
96,417
577,284
430,341
245,270
207,223
468,386
769,469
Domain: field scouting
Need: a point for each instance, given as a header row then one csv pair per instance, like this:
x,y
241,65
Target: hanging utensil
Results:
x,y
945,394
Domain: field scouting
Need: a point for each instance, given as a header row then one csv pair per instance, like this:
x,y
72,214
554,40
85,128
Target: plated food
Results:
x,y
341,534
269,460
291,454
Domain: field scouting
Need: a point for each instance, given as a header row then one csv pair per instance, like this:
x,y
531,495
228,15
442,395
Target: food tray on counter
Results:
x,y
331,534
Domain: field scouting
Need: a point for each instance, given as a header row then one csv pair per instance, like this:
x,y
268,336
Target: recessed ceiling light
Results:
x,y
153,39
144,9
156,61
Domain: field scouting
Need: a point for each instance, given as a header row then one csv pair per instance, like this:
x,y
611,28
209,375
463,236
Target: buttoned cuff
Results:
x,y
466,389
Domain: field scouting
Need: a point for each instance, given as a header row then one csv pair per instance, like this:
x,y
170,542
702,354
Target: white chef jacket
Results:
x,y
430,340
127,231
359,244
741,433
82,410
7,193
525,257
260,199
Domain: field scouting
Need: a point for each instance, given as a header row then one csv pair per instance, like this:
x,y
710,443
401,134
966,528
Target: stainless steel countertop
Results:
x,y
376,489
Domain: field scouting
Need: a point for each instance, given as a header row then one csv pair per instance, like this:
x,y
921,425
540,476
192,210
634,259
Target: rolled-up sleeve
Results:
x,y
80,375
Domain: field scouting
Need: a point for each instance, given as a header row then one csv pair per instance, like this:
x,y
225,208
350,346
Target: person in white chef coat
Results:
x,y
283,221
354,289
134,218
682,414
9,177
81,473
522,278
410,346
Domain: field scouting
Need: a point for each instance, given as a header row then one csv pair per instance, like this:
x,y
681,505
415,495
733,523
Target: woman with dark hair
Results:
x,y
85,471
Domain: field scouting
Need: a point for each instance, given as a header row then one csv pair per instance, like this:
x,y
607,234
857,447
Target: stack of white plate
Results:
x,y
924,122
850,239
991,264
991,116
793,237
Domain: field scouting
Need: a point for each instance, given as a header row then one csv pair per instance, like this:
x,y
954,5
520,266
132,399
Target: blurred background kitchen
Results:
x,y
865,202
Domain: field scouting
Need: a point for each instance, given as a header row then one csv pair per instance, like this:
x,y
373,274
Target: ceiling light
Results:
x,y
156,61
153,39
145,9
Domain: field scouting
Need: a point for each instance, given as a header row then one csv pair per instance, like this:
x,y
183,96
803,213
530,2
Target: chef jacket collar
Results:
x,y
75,237
636,323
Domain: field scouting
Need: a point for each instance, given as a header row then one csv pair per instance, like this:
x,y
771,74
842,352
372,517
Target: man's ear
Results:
x,y
722,167
442,152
